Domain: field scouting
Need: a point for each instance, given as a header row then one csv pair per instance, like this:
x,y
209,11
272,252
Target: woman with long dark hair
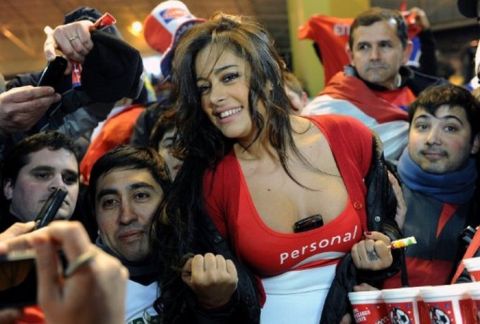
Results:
x,y
288,193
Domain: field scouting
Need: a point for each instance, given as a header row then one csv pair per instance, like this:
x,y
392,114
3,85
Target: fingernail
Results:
x,y
367,233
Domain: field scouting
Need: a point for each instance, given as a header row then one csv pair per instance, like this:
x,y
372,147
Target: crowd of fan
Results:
x,y
231,197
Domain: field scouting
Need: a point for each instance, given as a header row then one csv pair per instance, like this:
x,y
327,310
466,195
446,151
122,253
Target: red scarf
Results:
x,y
370,102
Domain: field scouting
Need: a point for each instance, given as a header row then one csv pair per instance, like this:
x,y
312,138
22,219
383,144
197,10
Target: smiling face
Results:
x,y
46,170
125,202
223,84
377,53
441,143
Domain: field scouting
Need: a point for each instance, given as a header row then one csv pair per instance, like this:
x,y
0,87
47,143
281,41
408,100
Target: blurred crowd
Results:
x,y
219,191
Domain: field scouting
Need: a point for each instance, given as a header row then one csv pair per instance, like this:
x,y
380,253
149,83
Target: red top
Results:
x,y
268,252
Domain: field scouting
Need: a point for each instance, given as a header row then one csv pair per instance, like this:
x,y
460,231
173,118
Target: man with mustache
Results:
x,y
438,171
377,86
33,169
127,185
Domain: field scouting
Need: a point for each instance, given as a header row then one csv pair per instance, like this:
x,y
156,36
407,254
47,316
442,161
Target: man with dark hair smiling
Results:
x,y
126,188
127,185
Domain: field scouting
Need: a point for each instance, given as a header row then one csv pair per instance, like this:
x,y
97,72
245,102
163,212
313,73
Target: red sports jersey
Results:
x,y
331,35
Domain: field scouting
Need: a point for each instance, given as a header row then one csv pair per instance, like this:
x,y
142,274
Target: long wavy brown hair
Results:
x,y
199,142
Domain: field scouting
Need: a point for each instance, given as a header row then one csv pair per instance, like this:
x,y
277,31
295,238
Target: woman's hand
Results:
x,y
212,278
372,253
10,316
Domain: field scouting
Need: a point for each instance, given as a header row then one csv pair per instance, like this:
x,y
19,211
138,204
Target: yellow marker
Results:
x,y
403,242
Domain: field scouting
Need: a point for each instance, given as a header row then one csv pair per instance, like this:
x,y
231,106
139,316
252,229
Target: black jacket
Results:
x,y
112,70
178,303
381,210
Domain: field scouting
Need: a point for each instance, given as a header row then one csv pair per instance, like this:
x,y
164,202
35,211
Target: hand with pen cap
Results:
x,y
212,278
373,252
91,290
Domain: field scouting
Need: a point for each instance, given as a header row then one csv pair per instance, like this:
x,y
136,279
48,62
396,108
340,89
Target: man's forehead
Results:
x,y
443,112
378,31
49,158
126,177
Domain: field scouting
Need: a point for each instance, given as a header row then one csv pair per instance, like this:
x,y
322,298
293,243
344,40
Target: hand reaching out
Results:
x,y
73,40
21,108
14,231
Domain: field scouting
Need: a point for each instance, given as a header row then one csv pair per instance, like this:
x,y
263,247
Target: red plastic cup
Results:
x,y
473,267
450,304
368,307
474,292
402,304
